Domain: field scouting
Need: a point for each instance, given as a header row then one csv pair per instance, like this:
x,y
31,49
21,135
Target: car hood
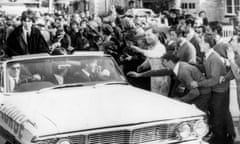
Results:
x,y
82,108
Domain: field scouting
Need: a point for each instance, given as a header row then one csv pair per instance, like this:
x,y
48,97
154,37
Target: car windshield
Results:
x,y
37,74
143,13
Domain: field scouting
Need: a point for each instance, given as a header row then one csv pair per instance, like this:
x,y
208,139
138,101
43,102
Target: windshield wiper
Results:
x,y
113,83
64,86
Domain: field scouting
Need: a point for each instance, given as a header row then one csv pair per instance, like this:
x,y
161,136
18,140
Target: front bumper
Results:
x,y
194,142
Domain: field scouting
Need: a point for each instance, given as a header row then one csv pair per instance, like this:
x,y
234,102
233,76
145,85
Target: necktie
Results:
x,y
14,84
28,40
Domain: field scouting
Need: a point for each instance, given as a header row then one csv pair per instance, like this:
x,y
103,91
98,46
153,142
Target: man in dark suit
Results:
x,y
218,106
185,50
26,39
185,74
17,74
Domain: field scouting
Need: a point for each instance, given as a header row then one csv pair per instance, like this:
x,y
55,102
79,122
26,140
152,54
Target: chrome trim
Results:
x,y
101,130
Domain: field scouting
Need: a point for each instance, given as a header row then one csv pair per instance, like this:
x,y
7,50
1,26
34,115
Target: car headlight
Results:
x,y
200,128
184,131
64,141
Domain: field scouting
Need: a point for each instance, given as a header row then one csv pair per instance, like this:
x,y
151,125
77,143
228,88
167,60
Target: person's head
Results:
x,y
83,24
14,70
235,42
60,31
107,29
131,4
173,14
82,15
169,60
172,34
207,42
60,69
216,29
190,22
74,26
202,14
181,21
27,19
200,30
151,36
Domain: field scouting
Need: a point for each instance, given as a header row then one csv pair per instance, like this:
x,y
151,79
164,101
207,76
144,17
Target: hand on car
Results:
x,y
36,77
222,79
194,84
133,74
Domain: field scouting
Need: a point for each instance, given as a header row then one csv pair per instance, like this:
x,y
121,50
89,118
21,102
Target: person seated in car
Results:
x,y
59,73
16,76
96,72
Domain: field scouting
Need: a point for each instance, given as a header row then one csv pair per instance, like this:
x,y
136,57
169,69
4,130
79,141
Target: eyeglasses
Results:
x,y
15,68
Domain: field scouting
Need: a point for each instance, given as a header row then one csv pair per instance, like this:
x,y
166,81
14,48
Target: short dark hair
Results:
x,y
182,31
210,39
202,11
216,26
27,15
170,57
190,21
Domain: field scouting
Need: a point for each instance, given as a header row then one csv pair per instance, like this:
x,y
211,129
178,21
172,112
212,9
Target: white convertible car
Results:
x,y
85,99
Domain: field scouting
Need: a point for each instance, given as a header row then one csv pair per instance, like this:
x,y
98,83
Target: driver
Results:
x,y
15,76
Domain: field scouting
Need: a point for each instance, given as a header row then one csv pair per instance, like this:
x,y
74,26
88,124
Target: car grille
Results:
x,y
160,132
116,137
141,135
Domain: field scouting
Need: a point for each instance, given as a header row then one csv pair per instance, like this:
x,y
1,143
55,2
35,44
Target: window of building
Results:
x,y
184,5
237,5
188,5
192,6
232,6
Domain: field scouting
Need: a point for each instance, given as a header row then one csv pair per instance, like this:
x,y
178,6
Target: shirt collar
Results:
x,y
209,53
25,31
183,40
176,68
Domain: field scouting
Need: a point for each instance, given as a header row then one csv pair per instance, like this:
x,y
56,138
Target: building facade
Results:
x,y
217,10
16,7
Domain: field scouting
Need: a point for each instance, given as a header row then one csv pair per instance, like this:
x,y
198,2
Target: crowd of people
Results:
x,y
188,61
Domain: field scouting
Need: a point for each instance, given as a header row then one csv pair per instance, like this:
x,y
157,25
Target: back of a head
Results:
x,y
210,39
170,57
216,27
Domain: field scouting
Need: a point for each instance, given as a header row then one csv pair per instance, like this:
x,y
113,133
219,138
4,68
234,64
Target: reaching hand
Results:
x,y
194,84
36,77
135,48
221,79
230,54
133,74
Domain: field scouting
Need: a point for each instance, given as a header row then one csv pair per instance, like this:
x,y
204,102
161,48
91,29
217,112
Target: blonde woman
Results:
x,y
154,53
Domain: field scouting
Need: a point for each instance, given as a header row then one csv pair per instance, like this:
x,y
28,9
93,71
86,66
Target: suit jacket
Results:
x,y
214,68
188,73
17,45
186,52
221,49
